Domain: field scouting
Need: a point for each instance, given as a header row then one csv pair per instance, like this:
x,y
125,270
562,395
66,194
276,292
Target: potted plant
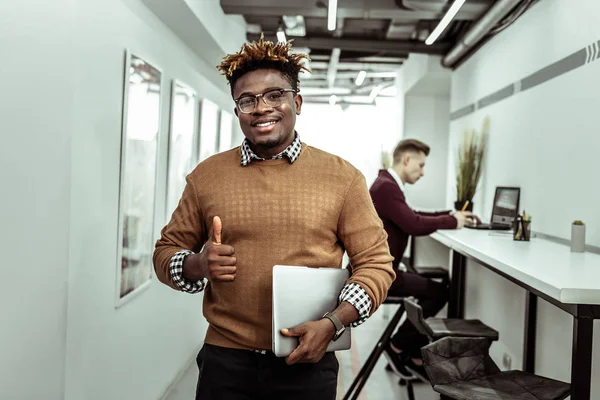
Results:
x,y
386,159
470,162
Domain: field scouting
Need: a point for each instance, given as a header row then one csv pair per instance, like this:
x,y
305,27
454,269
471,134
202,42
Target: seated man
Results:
x,y
400,222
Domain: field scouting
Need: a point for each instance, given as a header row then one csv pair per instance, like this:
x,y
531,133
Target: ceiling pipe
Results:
x,y
358,101
352,75
333,64
367,59
359,9
352,66
390,47
481,28
344,84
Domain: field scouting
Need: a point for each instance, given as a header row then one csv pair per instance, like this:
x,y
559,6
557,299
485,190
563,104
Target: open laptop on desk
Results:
x,y
504,211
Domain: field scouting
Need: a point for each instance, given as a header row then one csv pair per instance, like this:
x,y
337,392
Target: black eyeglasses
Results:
x,y
272,98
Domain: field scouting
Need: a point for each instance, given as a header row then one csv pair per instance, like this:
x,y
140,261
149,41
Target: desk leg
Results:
x,y
456,303
530,331
581,359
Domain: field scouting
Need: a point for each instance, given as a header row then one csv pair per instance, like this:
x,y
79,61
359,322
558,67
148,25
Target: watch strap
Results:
x,y
339,327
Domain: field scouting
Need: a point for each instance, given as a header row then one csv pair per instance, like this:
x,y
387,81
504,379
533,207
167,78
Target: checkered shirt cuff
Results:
x,y
176,269
356,295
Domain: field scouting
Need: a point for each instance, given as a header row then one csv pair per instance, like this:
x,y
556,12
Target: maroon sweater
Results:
x,y
399,220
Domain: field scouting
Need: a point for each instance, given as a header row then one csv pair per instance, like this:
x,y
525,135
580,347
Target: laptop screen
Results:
x,y
506,204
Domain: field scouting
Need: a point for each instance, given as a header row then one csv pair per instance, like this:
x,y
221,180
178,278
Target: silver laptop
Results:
x,y
303,294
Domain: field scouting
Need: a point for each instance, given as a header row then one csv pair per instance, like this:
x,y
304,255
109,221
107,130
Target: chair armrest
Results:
x,y
432,272
394,300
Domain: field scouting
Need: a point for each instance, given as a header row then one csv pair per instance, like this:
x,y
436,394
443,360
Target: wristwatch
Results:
x,y
339,328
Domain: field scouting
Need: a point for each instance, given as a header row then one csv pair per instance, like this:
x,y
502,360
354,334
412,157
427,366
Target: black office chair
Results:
x,y
436,328
361,379
462,369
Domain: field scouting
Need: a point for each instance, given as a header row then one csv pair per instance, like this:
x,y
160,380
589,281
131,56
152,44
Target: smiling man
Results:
x,y
261,204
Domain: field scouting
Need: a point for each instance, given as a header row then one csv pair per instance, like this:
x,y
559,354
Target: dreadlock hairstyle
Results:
x,y
263,54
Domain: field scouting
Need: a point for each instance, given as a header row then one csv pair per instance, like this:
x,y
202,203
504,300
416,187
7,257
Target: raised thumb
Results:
x,y
217,229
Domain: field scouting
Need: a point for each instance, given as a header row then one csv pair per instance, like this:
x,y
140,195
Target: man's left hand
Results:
x,y
313,337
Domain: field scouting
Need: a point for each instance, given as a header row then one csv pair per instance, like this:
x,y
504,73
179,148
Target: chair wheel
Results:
x,y
388,367
402,382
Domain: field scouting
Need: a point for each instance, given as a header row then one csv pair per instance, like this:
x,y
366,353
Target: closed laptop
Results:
x,y
302,294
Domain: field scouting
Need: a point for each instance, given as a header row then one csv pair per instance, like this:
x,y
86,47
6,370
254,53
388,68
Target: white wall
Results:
x,y
427,119
35,120
414,70
545,141
140,346
226,30
542,138
424,114
357,134
62,337
401,89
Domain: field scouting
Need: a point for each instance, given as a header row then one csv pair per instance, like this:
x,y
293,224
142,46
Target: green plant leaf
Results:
x,y
470,162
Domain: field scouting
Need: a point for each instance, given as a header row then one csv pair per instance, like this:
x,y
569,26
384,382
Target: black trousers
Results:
x,y
232,374
432,296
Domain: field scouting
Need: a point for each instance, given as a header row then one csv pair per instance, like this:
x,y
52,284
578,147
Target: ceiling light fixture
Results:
x,y
331,15
450,14
375,92
294,25
281,36
360,78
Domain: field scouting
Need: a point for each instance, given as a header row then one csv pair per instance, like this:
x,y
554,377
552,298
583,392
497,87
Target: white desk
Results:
x,y
545,266
570,281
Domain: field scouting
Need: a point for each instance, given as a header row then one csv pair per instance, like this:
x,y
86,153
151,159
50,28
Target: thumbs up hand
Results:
x,y
217,229
215,262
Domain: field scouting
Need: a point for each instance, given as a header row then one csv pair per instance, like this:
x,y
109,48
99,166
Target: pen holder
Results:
x,y
578,238
521,230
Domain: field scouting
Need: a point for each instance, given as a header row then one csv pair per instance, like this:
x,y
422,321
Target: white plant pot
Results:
x,y
577,238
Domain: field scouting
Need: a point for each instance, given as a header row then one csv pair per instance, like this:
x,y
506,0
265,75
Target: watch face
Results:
x,y
339,333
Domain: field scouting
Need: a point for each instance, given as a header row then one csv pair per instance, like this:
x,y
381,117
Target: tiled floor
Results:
x,y
382,385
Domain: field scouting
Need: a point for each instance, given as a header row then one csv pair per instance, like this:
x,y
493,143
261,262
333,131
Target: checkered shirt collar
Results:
x,y
291,152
